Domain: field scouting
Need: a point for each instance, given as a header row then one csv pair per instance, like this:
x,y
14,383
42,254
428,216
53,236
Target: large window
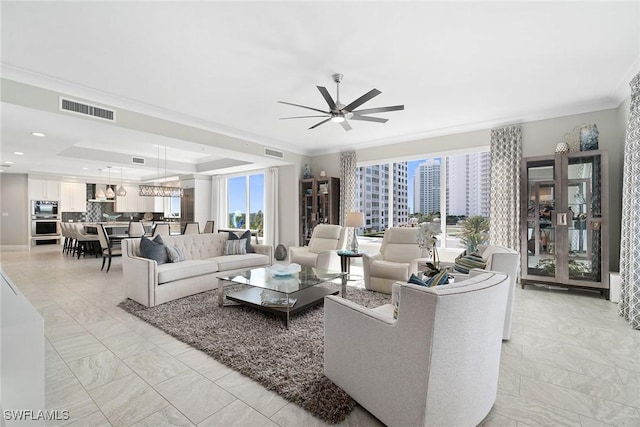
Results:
x,y
404,193
245,204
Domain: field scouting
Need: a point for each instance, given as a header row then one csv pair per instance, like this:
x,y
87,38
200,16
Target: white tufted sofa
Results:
x,y
151,284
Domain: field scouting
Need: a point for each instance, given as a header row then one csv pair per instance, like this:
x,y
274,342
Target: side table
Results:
x,y
345,261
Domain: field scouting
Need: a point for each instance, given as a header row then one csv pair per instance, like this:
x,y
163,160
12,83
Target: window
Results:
x,y
455,187
245,203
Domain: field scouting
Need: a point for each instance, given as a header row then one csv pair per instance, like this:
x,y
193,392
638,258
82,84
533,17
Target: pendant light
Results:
x,y
100,192
110,193
121,191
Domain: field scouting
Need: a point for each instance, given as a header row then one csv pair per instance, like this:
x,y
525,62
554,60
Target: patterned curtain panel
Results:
x,y
504,206
629,305
348,165
271,229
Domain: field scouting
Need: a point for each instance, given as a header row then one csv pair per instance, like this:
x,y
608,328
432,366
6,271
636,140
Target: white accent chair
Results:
x,y
398,259
437,364
504,260
326,239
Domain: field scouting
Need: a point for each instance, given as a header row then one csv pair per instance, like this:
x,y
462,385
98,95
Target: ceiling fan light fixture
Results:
x,y
337,118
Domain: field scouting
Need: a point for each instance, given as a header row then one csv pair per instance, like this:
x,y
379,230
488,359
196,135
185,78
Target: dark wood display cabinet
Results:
x,y
565,221
319,204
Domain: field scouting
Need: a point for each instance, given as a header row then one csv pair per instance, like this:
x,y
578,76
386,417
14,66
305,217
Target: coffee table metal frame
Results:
x,y
301,286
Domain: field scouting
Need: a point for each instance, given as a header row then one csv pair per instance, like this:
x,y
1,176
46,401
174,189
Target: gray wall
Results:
x,y
14,211
539,138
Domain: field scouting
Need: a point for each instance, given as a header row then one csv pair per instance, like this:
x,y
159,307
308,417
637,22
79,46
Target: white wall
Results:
x,y
539,138
14,210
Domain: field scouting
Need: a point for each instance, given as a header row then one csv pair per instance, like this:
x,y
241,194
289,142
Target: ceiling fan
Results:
x,y
340,113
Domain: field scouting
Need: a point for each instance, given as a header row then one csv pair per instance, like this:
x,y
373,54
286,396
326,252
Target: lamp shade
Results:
x,y
354,219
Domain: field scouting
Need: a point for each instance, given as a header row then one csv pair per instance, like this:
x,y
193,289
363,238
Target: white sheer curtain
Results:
x,y
504,207
219,201
629,305
271,229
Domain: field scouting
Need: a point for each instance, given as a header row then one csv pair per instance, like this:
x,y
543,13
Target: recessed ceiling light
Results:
x,y
18,153
8,162
85,169
37,134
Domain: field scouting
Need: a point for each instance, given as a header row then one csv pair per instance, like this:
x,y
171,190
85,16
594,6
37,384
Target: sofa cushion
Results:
x,y
401,252
389,270
236,247
235,262
247,236
199,246
154,249
488,251
171,272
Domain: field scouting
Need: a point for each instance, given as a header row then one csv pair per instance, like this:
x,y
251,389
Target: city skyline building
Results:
x,y
372,195
426,187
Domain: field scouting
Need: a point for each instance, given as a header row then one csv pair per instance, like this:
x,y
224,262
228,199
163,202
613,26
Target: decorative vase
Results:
x,y
280,253
306,172
562,147
588,138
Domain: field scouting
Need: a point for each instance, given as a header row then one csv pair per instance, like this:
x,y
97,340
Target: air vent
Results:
x,y
138,160
77,107
270,152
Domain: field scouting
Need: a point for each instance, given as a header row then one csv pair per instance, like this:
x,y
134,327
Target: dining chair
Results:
x,y
191,228
108,249
209,226
85,242
161,229
136,229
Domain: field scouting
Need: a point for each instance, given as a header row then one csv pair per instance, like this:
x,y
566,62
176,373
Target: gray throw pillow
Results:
x,y
154,249
175,254
235,247
246,235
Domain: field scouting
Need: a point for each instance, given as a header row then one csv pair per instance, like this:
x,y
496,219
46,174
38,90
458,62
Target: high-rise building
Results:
x,y
468,181
426,187
373,195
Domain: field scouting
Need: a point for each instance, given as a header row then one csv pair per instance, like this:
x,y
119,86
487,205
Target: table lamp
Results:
x,y
355,220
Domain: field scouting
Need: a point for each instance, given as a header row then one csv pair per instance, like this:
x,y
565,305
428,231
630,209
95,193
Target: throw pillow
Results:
x,y
415,280
466,262
440,278
236,247
247,236
175,254
154,249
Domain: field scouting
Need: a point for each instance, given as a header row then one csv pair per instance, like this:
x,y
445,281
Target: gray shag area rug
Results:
x,y
257,344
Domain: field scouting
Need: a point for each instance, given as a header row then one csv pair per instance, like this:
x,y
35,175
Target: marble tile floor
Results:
x,y
571,360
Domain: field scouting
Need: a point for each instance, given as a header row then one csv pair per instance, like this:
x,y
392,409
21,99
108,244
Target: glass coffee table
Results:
x,y
282,295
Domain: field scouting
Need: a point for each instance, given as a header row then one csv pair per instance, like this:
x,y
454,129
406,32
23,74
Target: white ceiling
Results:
x,y
224,65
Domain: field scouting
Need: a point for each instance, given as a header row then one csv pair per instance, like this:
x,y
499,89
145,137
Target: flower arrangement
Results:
x,y
427,238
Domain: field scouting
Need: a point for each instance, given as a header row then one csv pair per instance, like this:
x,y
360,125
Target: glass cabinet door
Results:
x,y
584,218
541,225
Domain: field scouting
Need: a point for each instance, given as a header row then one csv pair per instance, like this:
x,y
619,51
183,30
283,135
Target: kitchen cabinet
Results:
x,y
565,221
128,203
43,189
73,197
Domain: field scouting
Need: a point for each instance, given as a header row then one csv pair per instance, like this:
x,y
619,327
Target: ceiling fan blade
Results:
x,y
345,124
369,119
325,94
378,110
298,117
318,124
304,106
364,98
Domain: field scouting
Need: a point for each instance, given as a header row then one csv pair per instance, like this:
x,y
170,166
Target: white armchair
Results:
x,y
437,364
326,239
398,259
504,260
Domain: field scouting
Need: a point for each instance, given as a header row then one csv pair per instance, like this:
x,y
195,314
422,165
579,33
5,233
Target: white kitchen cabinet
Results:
x,y
130,202
43,189
73,197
